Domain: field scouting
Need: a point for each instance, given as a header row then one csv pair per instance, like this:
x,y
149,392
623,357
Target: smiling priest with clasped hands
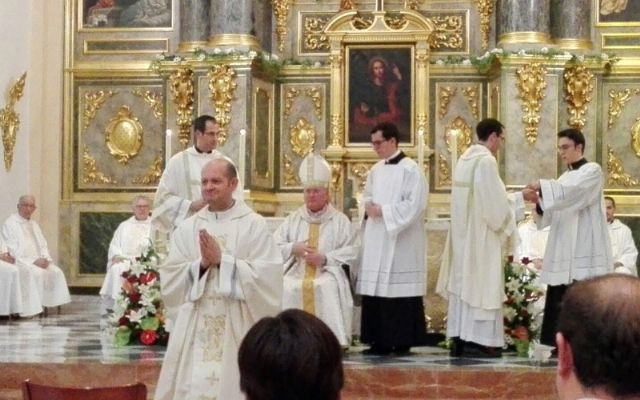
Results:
x,y
222,274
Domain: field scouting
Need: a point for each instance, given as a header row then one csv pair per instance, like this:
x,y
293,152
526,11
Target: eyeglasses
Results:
x,y
377,143
212,134
565,147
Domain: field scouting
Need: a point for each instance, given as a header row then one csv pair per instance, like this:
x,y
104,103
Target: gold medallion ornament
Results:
x,y
531,86
616,172
578,85
462,132
222,86
302,136
124,135
181,85
10,121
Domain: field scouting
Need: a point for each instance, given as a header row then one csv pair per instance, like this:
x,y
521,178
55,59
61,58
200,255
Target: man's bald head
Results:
x,y
229,168
219,181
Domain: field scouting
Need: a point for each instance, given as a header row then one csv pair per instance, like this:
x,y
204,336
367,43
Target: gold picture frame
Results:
x,y
113,16
609,13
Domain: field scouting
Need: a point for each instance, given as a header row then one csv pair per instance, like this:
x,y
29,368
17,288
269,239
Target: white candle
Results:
x,y
454,149
421,148
167,147
241,150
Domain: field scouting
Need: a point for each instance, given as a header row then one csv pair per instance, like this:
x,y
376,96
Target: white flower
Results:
x,y
230,50
604,56
497,51
513,285
544,50
317,64
485,55
275,57
466,61
439,62
136,315
201,57
510,313
580,58
160,57
177,59
566,54
522,52
216,50
137,269
252,54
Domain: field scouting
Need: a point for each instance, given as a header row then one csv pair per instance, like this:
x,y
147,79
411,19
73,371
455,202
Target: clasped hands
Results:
x,y
530,192
309,254
209,250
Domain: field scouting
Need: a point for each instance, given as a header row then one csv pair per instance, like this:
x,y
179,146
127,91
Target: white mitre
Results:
x,y
314,171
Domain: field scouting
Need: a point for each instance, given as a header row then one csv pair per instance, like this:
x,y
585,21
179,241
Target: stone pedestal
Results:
x,y
523,23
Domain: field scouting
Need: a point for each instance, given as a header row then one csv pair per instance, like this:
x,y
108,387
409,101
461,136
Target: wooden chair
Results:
x,y
32,391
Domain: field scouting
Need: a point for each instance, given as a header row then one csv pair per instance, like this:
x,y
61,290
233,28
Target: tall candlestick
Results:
x,y
241,150
167,147
421,148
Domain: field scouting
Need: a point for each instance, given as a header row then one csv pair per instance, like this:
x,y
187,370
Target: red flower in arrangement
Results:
x,y
525,260
147,278
123,321
521,333
148,337
134,297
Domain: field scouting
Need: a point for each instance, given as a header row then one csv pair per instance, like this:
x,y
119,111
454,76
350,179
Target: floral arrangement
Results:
x,y
138,314
520,316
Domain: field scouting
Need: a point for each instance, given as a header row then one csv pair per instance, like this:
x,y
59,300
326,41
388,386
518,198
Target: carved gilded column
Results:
x,y
571,24
231,24
194,24
523,22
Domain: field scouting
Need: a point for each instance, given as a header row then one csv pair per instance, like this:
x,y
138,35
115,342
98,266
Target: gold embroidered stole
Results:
x,y
308,295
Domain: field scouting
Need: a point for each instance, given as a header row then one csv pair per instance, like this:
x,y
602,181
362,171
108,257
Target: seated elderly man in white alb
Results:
x,y
129,241
25,242
623,249
316,241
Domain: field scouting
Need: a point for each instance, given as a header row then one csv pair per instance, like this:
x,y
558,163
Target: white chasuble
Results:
x,y
323,291
179,186
215,311
623,248
26,243
393,259
483,216
578,245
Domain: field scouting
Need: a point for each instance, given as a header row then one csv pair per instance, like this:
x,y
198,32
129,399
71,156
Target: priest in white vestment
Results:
x,y
533,242
316,242
578,245
178,195
222,274
10,293
26,243
483,217
130,240
624,252
392,278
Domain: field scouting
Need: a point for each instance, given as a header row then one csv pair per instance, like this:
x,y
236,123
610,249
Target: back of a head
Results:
x,y
486,127
600,319
292,356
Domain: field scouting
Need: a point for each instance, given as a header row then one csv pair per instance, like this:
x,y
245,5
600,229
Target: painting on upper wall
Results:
x,y
618,12
126,14
379,89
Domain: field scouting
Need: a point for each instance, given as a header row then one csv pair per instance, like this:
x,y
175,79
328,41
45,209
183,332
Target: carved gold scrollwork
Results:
x,y
616,171
91,172
281,10
314,93
154,172
422,122
395,21
361,171
445,94
471,93
289,96
10,121
290,177
92,103
347,5
336,130
635,137
362,22
302,136
444,176
531,86
222,85
485,9
181,85
448,32
578,85
618,99
314,39
336,174
124,135
462,132
153,99
612,6
413,4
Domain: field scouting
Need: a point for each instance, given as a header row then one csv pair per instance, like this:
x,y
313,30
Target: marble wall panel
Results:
x,y
521,161
435,306
96,232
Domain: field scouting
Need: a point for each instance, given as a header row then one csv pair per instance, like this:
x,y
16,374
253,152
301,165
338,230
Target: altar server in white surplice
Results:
x,y
316,241
178,194
222,274
26,243
483,217
393,276
624,252
129,241
578,245
10,293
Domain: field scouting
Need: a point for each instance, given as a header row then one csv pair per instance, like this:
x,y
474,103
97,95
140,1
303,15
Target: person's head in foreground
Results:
x,y
598,339
292,356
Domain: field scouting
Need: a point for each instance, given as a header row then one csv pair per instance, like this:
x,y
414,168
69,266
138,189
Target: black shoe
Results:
x,y
457,346
376,350
402,350
474,350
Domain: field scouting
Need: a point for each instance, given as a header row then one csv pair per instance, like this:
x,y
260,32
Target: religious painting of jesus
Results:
x,y
379,89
